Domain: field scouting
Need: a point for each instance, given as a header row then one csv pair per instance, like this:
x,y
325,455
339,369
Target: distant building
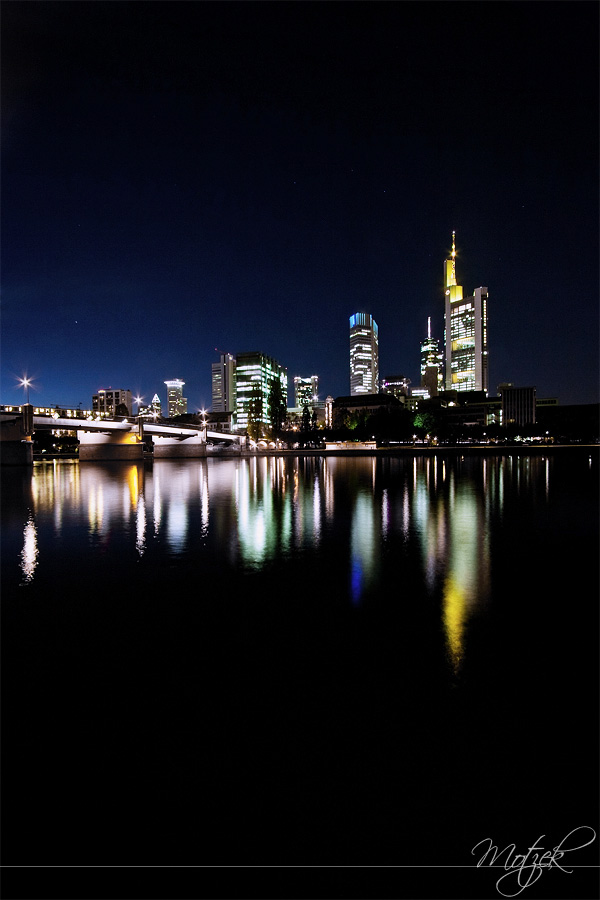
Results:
x,y
364,354
176,402
365,403
255,374
432,359
219,421
306,391
397,385
329,411
223,384
518,404
465,333
107,402
153,411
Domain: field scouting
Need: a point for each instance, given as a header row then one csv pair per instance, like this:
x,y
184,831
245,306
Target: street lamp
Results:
x,y
25,382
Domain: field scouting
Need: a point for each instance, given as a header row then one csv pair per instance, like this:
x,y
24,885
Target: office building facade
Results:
x,y
107,402
255,375
176,402
518,404
364,354
397,385
306,391
223,384
465,332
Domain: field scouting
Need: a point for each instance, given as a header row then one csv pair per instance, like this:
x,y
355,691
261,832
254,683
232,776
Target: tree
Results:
x,y
305,419
277,408
255,414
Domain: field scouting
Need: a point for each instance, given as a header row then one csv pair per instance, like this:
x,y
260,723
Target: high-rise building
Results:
x,y
223,384
306,391
432,359
176,402
364,354
465,333
255,375
107,402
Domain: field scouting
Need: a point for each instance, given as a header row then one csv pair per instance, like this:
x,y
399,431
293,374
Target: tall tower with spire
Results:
x,y
465,332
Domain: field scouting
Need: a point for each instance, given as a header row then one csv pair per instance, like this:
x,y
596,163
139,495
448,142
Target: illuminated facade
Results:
x,y
255,374
176,402
465,333
306,391
364,354
398,385
432,367
107,402
153,411
223,384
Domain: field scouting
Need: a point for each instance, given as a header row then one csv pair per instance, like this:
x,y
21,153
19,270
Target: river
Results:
x,y
300,661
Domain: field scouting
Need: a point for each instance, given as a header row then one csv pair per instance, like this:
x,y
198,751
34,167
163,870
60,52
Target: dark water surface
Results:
x,y
302,661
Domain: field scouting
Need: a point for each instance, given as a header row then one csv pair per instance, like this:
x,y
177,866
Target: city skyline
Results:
x,y
250,175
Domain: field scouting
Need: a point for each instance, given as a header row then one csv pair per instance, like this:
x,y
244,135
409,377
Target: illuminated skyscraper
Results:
x,y
465,333
306,391
255,374
176,402
364,354
431,364
223,384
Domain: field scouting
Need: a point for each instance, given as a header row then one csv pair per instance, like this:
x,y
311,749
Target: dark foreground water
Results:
x,y
303,662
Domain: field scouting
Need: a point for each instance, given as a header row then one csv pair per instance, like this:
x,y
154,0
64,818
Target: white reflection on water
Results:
x,y
29,553
140,531
364,546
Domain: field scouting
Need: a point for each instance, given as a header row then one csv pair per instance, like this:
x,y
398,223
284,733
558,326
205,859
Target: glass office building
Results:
x,y
255,374
465,332
176,402
364,354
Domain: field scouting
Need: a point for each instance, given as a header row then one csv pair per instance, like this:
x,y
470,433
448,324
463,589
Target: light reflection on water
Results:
x,y
391,515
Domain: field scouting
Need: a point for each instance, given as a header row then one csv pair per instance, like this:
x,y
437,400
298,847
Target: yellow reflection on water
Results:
x,y
454,614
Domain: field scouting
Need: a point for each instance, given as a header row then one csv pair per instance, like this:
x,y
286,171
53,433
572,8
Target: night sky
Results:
x,y
179,177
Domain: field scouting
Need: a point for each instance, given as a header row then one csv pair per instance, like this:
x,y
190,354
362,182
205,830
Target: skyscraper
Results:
x,y
465,332
223,384
255,374
431,363
364,354
306,391
176,402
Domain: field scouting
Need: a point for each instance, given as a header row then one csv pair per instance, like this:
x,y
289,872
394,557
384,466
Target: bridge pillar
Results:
x,y
16,447
171,448
96,446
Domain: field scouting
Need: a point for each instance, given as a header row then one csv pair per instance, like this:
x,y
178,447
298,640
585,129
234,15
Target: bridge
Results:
x,y
110,439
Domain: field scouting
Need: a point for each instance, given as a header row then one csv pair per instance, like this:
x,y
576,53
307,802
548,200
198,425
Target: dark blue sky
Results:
x,y
184,176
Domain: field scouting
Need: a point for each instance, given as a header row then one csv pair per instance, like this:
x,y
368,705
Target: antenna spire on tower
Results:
x,y
429,327
453,244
